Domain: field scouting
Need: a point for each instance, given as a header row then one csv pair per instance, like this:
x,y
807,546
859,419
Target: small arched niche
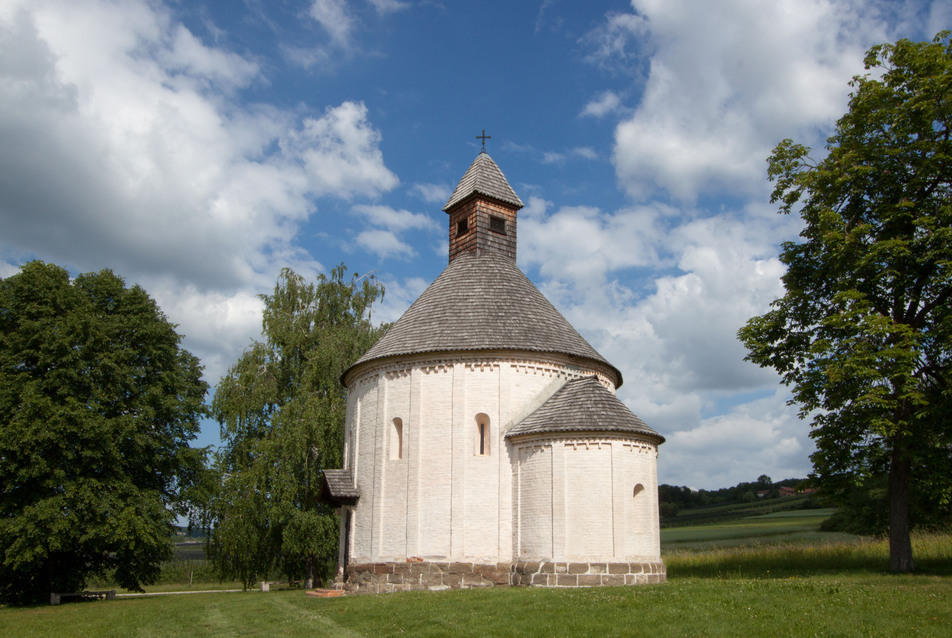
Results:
x,y
481,444
396,440
639,510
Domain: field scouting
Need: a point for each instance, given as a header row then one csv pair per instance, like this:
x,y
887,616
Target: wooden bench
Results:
x,y
266,584
107,594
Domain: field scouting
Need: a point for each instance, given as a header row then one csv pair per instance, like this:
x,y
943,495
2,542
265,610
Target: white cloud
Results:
x,y
940,17
335,18
582,245
618,43
396,220
306,57
432,193
585,152
722,84
384,243
383,240
8,270
661,294
385,7
729,273
727,81
763,436
397,298
605,104
150,167
340,153
217,326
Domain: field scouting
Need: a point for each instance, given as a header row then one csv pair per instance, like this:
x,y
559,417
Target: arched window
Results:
x,y
481,447
396,440
639,509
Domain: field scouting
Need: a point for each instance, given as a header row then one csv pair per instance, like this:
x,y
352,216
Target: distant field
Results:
x,y
731,511
778,527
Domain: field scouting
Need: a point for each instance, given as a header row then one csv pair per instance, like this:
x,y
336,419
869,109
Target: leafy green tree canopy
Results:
x,y
863,334
98,403
281,408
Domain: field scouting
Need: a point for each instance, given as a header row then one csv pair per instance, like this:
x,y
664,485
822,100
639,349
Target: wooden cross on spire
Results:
x,y
484,137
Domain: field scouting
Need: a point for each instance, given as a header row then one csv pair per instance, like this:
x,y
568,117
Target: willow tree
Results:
x,y
863,334
281,408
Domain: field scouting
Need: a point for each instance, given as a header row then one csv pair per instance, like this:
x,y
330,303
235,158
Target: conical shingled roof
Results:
x,y
482,301
485,178
583,405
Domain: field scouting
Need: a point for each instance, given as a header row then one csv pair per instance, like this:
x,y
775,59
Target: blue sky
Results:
x,y
196,147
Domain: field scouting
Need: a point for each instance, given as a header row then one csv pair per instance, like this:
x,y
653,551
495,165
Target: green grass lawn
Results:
x,y
841,605
772,575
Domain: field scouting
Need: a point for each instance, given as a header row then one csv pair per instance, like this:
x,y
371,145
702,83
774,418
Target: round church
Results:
x,y
484,444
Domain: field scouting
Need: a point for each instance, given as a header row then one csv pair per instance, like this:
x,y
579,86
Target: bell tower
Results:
x,y
483,211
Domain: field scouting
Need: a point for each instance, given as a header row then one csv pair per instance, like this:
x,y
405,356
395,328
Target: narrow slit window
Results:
x,y
462,227
396,440
481,447
639,509
497,224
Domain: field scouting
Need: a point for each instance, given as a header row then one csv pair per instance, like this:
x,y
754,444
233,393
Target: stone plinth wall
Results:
x,y
377,578
546,574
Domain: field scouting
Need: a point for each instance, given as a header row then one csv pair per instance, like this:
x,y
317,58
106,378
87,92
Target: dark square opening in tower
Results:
x,y
497,224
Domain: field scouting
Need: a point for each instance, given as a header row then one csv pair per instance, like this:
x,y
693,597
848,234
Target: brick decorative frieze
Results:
x,y
412,575
526,451
437,367
581,441
481,366
556,369
641,447
365,380
542,366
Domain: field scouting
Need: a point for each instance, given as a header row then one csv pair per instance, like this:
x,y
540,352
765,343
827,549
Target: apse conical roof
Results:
x,y
482,301
583,405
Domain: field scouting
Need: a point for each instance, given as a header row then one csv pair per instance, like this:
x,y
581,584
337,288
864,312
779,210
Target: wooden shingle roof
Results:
x,y
484,178
583,405
338,488
482,301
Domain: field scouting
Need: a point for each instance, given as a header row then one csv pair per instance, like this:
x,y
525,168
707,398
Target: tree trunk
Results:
x,y
900,545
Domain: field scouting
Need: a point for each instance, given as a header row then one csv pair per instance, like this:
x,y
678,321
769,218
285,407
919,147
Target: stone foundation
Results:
x,y
377,578
547,574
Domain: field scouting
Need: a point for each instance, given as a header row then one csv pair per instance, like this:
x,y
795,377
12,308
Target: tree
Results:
x,y
281,408
863,334
98,403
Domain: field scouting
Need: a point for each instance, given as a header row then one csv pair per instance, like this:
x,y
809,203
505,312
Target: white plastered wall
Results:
x,y
586,498
440,500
